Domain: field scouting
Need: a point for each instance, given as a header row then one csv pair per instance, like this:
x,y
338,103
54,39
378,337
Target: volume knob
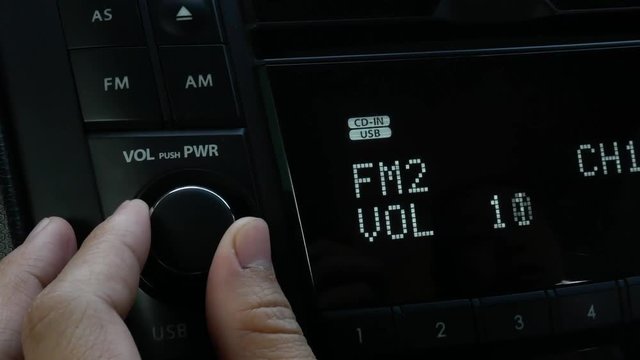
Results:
x,y
186,226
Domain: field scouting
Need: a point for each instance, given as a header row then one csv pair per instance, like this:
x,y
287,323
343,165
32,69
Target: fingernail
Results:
x,y
41,225
122,206
252,244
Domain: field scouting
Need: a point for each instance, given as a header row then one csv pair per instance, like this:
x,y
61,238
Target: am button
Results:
x,y
200,86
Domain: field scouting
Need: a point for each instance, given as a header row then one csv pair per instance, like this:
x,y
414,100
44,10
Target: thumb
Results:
x,y
248,315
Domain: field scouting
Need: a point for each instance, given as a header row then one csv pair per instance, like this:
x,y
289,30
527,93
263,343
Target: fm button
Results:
x,y
116,85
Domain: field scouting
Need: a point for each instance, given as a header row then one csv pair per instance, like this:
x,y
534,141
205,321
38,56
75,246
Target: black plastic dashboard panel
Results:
x,y
42,101
11,216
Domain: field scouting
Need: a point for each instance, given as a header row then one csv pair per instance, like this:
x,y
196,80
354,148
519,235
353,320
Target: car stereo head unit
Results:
x,y
441,177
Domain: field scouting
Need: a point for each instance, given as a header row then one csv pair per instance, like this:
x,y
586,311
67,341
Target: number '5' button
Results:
x,y
437,324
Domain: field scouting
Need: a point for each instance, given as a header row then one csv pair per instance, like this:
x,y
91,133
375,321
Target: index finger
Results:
x,y
85,305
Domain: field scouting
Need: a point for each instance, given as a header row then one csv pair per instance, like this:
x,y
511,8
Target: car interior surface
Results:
x,y
441,178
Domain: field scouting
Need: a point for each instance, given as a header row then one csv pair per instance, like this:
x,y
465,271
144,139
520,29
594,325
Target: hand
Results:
x,y
59,303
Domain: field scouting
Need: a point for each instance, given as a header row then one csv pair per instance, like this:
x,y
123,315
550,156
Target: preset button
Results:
x,y
437,324
587,307
514,316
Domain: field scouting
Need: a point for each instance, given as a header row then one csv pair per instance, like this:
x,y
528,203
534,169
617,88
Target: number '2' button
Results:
x,y
437,324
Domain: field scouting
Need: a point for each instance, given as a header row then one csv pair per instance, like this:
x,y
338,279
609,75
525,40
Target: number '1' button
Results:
x,y
366,330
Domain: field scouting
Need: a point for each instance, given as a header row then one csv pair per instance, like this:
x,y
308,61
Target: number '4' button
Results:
x,y
587,307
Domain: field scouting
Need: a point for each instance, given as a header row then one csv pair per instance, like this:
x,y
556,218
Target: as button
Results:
x,y
90,23
199,85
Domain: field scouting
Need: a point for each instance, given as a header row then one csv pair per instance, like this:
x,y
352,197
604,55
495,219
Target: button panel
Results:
x,y
89,23
199,85
116,85
437,324
178,22
587,307
500,318
514,316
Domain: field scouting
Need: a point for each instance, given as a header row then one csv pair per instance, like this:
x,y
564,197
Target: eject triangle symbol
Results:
x,y
184,14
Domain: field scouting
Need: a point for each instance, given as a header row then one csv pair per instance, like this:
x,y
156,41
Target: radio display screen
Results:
x,y
419,180
301,10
